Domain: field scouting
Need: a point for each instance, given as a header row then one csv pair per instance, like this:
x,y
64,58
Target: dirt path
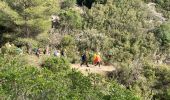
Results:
x,y
102,70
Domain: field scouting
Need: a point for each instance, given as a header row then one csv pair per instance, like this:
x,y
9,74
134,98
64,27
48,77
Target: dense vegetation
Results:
x,y
137,32
54,81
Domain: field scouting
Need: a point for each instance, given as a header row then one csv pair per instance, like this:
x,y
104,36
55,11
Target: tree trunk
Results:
x,y
26,29
1,39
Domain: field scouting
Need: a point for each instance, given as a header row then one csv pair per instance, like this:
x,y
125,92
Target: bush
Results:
x,y
21,81
162,84
138,77
69,44
70,20
9,49
56,64
116,90
43,39
25,42
68,4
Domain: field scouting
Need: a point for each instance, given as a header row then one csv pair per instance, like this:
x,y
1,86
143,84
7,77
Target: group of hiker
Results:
x,y
96,59
84,58
56,53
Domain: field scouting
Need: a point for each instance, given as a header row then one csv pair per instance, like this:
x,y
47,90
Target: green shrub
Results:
x,y
68,3
68,43
67,40
43,39
70,20
25,42
162,84
11,49
120,93
56,64
21,81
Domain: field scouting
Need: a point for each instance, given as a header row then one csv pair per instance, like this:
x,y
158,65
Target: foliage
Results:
x,y
115,91
70,20
9,49
21,81
67,40
68,43
162,85
150,81
25,41
43,39
163,3
162,6
28,19
127,33
26,82
163,33
163,36
56,64
68,4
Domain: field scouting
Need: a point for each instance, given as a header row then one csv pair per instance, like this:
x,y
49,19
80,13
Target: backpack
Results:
x,y
84,57
55,53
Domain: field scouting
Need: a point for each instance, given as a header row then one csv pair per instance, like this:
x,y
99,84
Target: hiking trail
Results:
x,y
102,70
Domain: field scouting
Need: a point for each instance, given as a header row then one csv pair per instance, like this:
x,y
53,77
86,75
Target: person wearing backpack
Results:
x,y
57,53
97,59
38,52
84,59
63,53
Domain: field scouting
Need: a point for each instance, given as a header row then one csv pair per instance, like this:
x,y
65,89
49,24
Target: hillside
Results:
x,y
43,43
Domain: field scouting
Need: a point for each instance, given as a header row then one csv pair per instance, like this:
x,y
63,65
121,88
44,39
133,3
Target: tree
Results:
x,y
8,20
35,15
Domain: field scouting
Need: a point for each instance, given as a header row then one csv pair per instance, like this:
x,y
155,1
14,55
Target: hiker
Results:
x,y
47,50
55,21
19,51
57,53
34,50
63,52
94,57
97,59
84,59
38,51
110,53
